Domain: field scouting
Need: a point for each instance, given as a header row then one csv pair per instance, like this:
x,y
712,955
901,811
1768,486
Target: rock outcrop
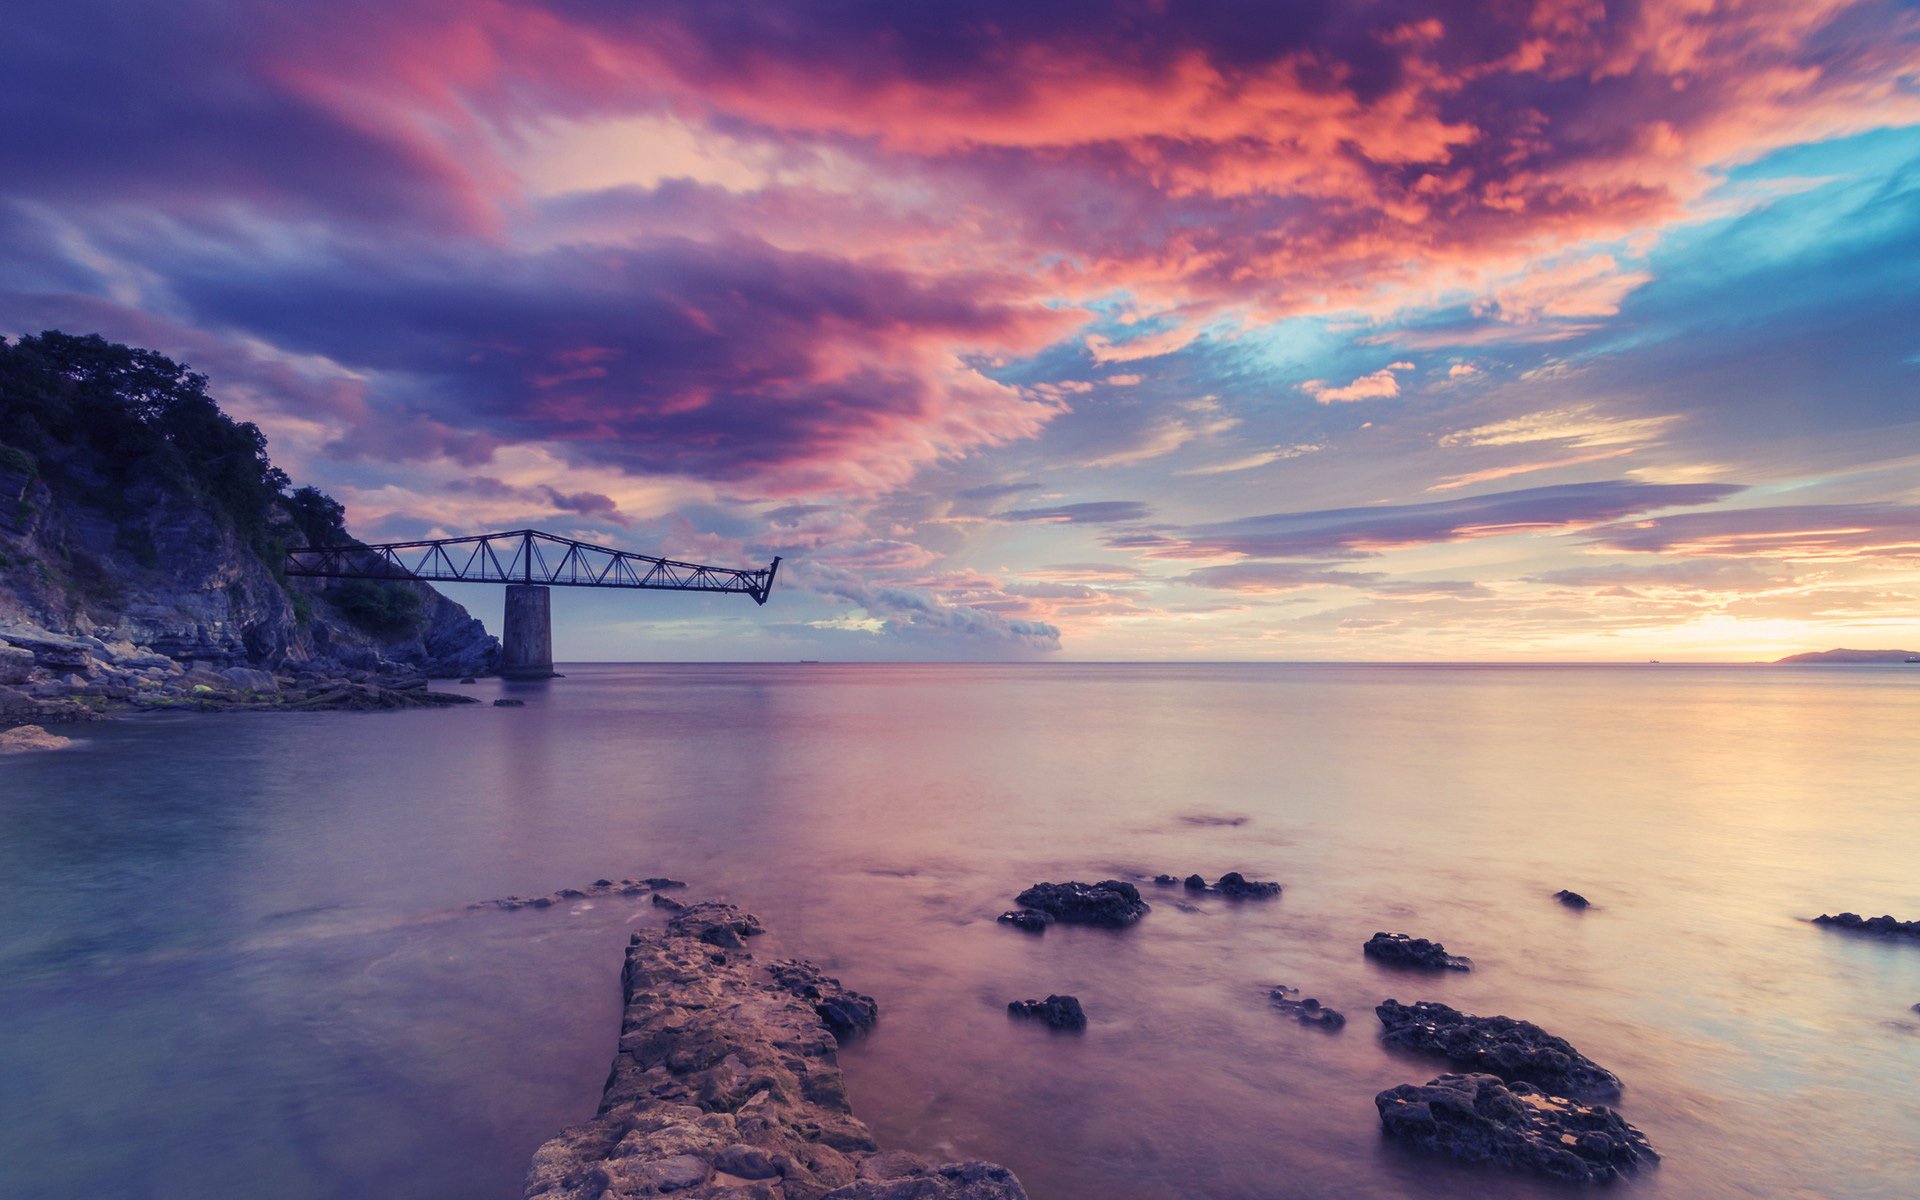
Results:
x,y
1516,1051
1571,899
1479,1118
141,535
599,887
1111,902
1885,926
1308,1011
1232,885
1059,1012
1399,950
25,739
1027,919
726,1087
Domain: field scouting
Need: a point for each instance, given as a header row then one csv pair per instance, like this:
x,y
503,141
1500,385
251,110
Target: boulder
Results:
x,y
1059,1012
1571,899
1308,1011
1110,902
1886,926
1399,950
16,664
846,1012
247,679
23,739
1027,919
1480,1118
1238,887
1514,1050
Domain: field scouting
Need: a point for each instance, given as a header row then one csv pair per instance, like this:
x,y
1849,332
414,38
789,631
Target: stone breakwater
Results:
x,y
726,1086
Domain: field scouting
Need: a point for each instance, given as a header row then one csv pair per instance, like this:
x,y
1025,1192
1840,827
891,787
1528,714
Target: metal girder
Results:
x,y
530,556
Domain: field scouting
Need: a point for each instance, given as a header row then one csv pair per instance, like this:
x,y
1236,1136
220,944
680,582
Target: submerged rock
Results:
x,y
1514,1050
1237,886
1027,919
1479,1118
509,703
726,1087
1059,1012
1110,902
599,887
1887,926
845,1011
22,739
1308,1011
1397,949
1571,899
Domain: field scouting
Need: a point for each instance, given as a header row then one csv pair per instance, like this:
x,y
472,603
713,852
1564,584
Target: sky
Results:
x,y
1526,330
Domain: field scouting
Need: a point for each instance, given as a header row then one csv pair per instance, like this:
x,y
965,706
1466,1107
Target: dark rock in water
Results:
x,y
1886,926
1196,883
1110,902
846,1012
1239,887
509,703
1514,1050
1167,880
726,1087
1059,1012
469,679
667,902
1571,899
715,923
1308,1011
1397,949
1027,919
599,887
1479,1118
661,881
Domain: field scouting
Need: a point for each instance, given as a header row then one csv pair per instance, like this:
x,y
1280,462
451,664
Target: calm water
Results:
x,y
234,959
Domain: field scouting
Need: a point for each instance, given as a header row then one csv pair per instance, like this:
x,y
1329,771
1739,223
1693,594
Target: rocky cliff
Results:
x,y
142,531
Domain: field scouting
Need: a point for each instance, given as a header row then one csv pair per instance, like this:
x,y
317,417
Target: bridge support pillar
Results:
x,y
526,649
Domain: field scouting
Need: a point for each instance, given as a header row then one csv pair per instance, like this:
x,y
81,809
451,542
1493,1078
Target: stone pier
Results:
x,y
527,647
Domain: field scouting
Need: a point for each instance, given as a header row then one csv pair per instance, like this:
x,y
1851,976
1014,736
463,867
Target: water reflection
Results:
x,y
236,958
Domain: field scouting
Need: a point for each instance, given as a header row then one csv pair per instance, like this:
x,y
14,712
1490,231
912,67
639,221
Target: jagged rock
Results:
x,y
1167,880
1571,899
248,679
1308,1011
23,739
661,881
16,663
1059,1012
1479,1118
667,902
726,1087
1514,1050
846,1012
1238,887
599,887
1027,919
1196,882
1887,926
1397,949
715,923
1110,902
509,703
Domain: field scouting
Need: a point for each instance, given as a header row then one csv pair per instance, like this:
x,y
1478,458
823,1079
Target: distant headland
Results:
x,y
1854,656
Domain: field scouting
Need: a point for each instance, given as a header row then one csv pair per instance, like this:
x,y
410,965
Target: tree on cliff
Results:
x,y
144,413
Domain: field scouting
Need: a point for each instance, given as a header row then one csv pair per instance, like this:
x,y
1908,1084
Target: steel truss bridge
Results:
x,y
526,557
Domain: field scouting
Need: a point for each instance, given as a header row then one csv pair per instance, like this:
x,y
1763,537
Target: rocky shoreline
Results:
x,y
49,678
726,1086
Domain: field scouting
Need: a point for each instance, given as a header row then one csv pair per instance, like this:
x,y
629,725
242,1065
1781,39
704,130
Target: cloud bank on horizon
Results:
x,y
1549,329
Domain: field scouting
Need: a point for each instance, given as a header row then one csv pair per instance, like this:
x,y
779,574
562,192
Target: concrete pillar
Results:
x,y
526,650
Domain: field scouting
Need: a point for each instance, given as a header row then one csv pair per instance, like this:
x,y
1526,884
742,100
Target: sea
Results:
x,y
237,957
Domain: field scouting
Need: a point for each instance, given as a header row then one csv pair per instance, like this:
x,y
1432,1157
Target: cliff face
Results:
x,y
124,531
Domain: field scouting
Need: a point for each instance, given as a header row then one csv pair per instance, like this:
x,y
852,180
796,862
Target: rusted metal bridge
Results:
x,y
529,562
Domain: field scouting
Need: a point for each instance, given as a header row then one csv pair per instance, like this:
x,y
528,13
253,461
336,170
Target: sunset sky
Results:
x,y
1397,331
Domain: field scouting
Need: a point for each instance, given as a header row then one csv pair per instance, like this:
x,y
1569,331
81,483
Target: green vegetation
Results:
x,y
382,608
149,418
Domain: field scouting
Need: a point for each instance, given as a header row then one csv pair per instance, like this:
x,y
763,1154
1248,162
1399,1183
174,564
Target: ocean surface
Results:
x,y
236,958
